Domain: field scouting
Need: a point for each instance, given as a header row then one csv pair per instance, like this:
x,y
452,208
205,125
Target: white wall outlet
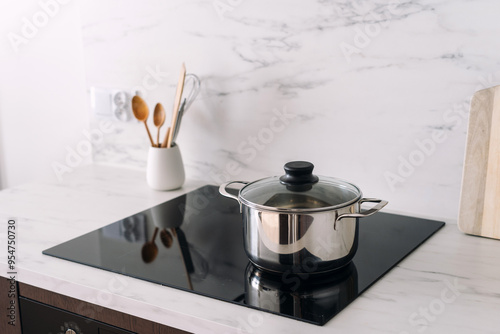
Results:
x,y
108,102
121,107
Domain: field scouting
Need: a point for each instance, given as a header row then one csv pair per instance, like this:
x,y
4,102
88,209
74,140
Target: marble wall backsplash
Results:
x,y
374,92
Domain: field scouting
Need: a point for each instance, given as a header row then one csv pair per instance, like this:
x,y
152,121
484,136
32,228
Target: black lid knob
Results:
x,y
299,176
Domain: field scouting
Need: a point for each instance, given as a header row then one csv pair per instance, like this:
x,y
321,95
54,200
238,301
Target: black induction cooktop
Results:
x,y
195,243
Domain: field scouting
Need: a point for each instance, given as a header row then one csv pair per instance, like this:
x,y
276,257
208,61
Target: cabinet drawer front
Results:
x,y
38,318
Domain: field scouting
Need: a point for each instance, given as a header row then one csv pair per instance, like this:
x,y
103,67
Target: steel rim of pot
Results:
x,y
261,207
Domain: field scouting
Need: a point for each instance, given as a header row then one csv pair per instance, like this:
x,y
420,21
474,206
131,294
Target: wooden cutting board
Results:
x,y
480,198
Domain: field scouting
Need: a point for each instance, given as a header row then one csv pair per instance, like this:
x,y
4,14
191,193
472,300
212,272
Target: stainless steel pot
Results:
x,y
300,222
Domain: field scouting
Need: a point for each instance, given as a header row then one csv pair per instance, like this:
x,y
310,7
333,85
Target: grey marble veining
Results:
x,y
369,83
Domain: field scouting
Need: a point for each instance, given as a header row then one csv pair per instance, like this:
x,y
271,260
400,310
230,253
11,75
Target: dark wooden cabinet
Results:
x,y
97,313
10,320
39,318
42,312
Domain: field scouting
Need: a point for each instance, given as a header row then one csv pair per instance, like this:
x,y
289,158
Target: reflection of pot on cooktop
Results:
x,y
313,298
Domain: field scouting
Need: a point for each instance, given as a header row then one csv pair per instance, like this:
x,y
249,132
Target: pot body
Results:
x,y
300,242
300,222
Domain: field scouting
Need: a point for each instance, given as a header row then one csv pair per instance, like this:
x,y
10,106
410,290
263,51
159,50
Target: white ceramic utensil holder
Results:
x,y
165,170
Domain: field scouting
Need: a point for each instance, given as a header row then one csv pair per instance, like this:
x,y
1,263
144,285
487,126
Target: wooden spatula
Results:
x,y
167,142
480,198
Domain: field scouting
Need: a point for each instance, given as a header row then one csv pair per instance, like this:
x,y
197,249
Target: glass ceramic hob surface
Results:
x,y
195,243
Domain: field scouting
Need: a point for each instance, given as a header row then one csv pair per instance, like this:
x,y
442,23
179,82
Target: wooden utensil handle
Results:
x,y
158,137
166,136
149,134
178,94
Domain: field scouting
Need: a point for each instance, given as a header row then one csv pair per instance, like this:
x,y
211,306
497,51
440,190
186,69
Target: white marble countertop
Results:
x,y
451,284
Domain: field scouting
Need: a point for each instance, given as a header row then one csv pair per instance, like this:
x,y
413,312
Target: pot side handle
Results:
x,y
223,191
366,213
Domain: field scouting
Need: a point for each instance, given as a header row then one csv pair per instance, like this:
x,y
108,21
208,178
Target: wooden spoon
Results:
x,y
141,113
166,238
150,250
158,119
167,142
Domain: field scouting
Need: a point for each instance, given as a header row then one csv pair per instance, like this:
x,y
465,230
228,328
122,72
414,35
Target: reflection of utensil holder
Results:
x,y
165,170
169,214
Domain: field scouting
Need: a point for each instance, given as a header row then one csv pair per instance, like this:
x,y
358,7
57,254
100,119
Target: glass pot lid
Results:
x,y
299,190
